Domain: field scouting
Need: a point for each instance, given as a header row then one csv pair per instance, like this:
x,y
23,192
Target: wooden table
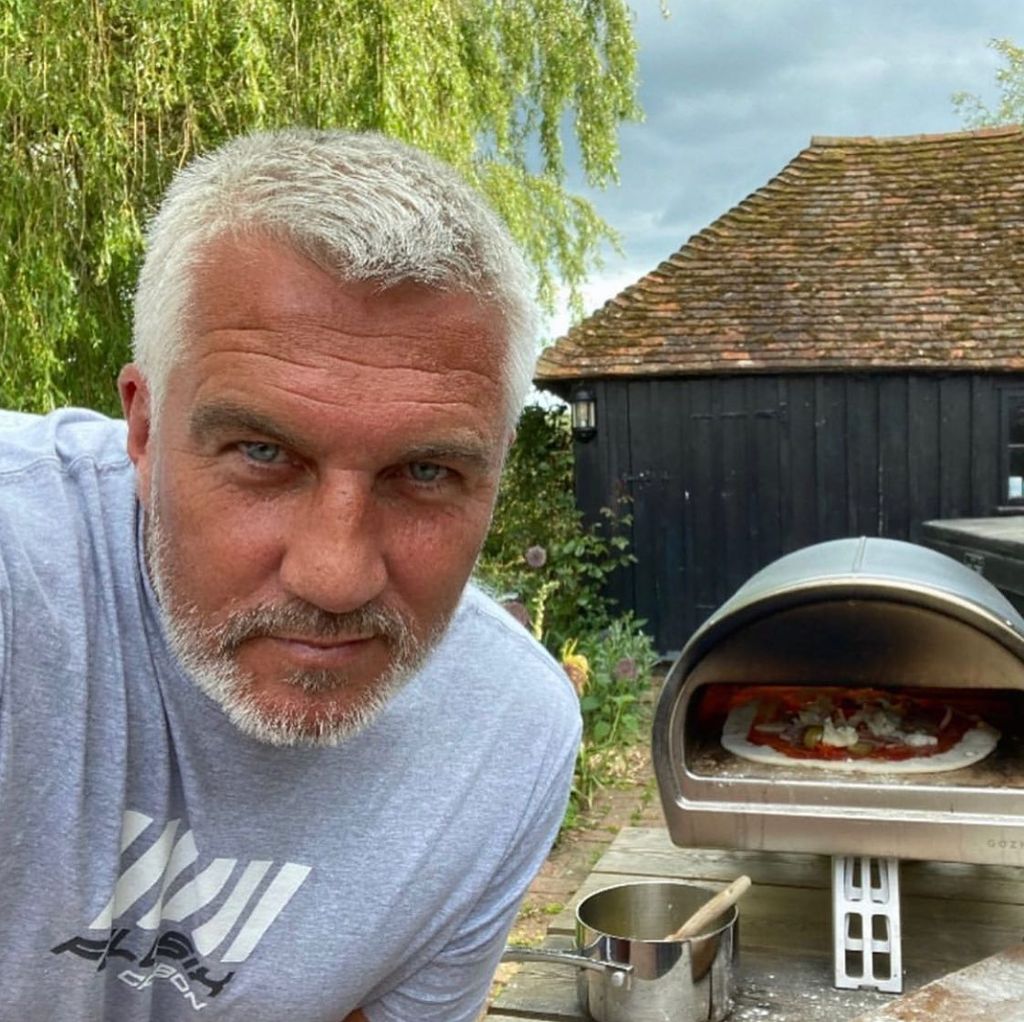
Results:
x,y
953,915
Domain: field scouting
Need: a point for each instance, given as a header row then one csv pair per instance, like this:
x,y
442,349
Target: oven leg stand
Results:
x,y
866,923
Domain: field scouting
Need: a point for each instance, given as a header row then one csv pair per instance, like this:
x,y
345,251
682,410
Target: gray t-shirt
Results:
x,y
155,862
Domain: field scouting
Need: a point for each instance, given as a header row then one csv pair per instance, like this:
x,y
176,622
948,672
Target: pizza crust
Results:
x,y
975,745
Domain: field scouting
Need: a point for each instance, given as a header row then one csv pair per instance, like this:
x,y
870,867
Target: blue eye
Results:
x,y
264,453
426,471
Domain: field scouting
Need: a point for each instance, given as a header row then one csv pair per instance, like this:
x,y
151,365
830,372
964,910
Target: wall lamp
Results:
x,y
583,412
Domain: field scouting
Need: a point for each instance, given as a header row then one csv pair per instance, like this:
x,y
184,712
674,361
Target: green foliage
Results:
x,y
101,100
1010,80
621,661
538,551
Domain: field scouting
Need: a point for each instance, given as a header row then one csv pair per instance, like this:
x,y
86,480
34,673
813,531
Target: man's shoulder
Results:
x,y
61,441
64,478
489,645
480,615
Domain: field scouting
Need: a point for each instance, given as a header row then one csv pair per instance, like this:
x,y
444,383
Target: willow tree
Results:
x,y
100,101
1010,82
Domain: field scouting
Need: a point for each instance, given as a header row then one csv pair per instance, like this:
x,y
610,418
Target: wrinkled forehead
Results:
x,y
252,279
264,317
263,289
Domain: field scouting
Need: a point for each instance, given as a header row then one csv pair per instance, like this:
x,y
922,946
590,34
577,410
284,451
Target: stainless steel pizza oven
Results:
x,y
855,612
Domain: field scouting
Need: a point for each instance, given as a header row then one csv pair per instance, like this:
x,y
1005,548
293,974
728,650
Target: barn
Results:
x,y
840,354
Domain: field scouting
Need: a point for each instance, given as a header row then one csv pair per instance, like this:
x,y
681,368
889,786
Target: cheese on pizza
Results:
x,y
861,729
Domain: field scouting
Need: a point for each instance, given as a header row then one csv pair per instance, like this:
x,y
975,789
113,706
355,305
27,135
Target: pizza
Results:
x,y
855,729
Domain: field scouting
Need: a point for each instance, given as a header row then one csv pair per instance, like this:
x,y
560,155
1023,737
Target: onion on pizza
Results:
x,y
865,729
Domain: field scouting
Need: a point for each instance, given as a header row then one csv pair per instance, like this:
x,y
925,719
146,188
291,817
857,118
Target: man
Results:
x,y
263,754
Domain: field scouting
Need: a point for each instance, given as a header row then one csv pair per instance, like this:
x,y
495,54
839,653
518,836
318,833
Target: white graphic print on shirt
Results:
x,y
239,921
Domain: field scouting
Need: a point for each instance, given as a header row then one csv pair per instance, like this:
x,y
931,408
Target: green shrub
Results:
x,y
538,552
545,563
618,664
621,661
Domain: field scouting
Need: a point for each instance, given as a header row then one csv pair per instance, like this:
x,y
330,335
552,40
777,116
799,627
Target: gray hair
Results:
x,y
362,206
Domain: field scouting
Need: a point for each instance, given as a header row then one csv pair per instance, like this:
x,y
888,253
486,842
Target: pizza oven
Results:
x,y
871,613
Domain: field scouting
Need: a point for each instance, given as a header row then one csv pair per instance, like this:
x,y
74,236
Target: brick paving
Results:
x,y
632,802
573,858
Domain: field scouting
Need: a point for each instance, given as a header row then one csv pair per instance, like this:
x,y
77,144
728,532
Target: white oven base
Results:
x,y
866,945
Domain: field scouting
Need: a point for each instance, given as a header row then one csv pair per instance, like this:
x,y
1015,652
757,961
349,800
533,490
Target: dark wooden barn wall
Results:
x,y
723,474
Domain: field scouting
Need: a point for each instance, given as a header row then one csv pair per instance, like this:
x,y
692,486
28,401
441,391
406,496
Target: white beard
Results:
x,y
207,652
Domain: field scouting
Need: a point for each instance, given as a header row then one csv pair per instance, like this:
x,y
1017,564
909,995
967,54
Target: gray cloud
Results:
x,y
734,89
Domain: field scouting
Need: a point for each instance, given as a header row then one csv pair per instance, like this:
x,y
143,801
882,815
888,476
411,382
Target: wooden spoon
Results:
x,y
724,899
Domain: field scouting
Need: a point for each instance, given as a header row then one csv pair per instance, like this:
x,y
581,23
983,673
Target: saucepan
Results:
x,y
632,965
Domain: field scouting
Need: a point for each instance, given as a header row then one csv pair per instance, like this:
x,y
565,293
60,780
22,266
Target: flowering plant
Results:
x,y
539,553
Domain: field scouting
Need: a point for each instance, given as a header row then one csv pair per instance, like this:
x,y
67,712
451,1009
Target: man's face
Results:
x,y
319,485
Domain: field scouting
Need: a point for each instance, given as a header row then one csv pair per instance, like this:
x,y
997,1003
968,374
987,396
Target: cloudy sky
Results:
x,y
732,90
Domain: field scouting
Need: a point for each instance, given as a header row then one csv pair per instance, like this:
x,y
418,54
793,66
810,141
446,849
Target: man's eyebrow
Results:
x,y
226,417
471,450
230,418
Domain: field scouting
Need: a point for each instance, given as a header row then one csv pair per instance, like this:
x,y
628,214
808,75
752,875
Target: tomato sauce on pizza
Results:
x,y
843,724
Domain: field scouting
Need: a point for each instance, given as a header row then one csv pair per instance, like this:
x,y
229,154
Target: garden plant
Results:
x,y
548,566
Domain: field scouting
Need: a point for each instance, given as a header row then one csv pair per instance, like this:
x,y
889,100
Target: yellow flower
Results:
x,y
576,666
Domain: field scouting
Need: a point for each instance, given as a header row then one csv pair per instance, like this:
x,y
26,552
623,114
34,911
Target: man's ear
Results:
x,y
135,401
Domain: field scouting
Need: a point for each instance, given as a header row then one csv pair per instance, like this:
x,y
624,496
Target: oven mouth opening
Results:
x,y
704,757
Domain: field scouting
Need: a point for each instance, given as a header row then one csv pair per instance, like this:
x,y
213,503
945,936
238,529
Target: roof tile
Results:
x,y
880,253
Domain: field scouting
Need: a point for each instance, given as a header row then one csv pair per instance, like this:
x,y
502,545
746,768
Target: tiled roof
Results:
x,y
866,253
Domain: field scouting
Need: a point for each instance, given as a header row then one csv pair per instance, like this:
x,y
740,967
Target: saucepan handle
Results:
x,y
618,975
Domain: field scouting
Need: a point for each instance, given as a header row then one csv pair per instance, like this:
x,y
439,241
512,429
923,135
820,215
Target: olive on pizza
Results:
x,y
869,729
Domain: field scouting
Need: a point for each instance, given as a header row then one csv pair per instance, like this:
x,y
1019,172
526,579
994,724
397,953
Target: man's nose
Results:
x,y
334,556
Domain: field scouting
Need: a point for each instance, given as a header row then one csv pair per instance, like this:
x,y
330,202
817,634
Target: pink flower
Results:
x,y
625,668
